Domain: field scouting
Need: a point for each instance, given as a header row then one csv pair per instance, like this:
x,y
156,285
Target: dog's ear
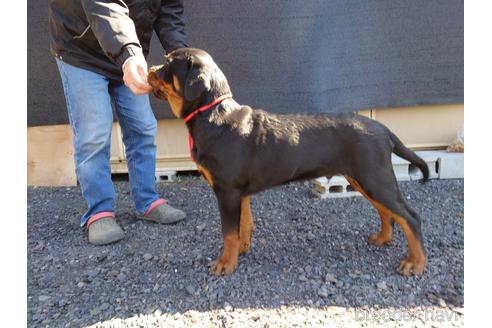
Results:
x,y
197,82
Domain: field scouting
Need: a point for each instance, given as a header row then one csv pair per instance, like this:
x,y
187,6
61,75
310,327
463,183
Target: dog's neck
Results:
x,y
218,87
209,106
199,121
214,116
217,106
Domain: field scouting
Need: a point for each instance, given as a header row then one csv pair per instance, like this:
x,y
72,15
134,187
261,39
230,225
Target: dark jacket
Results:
x,y
100,35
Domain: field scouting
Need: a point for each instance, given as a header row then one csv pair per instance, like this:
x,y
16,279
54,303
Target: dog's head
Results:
x,y
189,78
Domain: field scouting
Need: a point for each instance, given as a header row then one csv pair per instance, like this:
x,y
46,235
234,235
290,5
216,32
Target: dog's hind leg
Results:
x,y
230,212
381,188
246,226
385,235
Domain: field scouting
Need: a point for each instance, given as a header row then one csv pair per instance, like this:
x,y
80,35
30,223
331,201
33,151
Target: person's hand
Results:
x,y
135,75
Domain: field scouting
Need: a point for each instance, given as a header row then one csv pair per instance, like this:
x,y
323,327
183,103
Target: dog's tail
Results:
x,y
402,151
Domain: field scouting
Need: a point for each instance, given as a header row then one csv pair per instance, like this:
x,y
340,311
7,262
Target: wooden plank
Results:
x,y
172,149
50,155
117,147
172,139
423,127
50,150
50,159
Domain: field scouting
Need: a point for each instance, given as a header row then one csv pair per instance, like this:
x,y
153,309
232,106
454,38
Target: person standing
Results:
x,y
100,49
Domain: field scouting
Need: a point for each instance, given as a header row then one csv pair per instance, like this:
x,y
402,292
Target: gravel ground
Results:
x,y
309,264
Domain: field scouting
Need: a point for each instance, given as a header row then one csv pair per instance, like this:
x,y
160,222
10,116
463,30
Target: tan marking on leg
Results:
x,y
206,175
246,226
355,185
385,236
227,262
416,260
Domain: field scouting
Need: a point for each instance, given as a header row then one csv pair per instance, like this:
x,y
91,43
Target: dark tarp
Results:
x,y
299,56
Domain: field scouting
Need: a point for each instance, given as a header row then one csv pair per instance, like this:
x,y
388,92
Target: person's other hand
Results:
x,y
135,75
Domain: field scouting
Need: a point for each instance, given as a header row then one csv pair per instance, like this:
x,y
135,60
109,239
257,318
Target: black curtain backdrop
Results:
x,y
298,56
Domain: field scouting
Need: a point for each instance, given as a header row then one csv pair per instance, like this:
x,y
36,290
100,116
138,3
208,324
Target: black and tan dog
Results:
x,y
241,151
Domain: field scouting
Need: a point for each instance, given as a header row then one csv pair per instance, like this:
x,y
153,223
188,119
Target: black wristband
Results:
x,y
128,51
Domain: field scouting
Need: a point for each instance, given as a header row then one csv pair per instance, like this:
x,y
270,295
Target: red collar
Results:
x,y
204,108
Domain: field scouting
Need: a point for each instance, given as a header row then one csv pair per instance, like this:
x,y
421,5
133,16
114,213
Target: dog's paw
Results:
x,y
224,265
244,247
245,241
411,266
378,239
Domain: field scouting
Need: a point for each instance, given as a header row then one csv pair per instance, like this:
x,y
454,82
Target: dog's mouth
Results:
x,y
161,95
156,83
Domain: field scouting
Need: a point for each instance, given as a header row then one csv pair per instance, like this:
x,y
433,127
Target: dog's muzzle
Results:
x,y
155,81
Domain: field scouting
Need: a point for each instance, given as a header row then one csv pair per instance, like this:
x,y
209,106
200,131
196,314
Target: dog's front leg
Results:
x,y
230,211
246,226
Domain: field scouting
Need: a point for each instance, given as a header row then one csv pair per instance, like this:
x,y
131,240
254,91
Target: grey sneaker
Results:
x,y
165,214
105,231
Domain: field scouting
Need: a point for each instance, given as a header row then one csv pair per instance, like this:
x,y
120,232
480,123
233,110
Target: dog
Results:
x,y
241,151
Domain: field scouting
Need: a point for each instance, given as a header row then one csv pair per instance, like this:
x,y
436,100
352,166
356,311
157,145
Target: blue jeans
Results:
x,y
89,97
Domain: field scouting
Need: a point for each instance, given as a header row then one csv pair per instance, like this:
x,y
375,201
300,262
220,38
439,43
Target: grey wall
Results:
x,y
299,56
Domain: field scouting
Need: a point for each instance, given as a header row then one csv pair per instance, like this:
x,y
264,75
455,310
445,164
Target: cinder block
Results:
x,y
165,175
432,158
442,165
335,187
401,165
452,166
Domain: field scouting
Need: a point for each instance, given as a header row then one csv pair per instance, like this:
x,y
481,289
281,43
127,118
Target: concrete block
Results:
x,y
165,175
335,187
413,172
442,165
452,166
400,167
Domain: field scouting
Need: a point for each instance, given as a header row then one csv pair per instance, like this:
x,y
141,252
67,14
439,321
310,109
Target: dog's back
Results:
x,y
277,149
